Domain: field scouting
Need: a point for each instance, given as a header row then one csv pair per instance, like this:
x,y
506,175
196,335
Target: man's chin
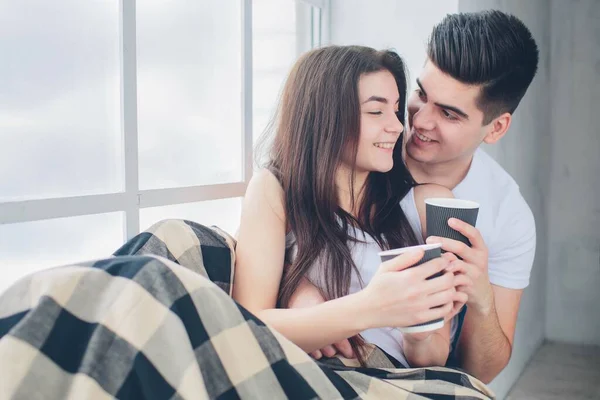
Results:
x,y
416,155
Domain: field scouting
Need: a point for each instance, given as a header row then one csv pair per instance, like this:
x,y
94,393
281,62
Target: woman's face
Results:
x,y
379,125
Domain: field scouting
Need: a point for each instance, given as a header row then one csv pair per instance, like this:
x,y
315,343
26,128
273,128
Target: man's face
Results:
x,y
445,123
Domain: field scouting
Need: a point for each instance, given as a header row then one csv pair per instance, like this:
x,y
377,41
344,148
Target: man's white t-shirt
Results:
x,y
505,222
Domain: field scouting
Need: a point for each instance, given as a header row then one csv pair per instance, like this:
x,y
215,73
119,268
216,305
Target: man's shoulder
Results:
x,y
487,182
489,173
503,188
505,221
503,210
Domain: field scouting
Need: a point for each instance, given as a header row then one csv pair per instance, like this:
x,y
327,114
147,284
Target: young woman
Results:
x,y
328,201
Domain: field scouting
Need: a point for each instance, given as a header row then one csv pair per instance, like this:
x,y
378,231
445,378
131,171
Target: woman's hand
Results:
x,y
402,296
307,295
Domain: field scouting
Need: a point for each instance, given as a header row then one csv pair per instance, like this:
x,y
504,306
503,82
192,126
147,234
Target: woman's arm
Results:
x,y
260,248
260,255
429,348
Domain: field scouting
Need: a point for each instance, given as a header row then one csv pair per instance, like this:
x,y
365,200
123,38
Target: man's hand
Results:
x,y
474,265
461,282
308,295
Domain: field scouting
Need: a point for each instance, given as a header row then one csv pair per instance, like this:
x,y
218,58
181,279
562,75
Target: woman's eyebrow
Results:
x,y
379,99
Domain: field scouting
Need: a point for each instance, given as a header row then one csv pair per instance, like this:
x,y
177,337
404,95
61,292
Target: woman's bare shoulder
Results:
x,y
265,187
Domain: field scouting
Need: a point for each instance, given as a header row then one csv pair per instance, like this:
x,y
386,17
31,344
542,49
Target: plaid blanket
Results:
x,y
157,322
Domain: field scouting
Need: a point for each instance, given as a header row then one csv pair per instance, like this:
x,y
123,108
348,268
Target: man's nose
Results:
x,y
423,119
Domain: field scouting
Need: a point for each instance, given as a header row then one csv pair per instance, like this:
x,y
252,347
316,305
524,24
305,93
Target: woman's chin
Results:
x,y
384,168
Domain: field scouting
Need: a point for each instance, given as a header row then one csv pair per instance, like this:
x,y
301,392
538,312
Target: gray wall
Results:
x,y
389,24
573,295
524,153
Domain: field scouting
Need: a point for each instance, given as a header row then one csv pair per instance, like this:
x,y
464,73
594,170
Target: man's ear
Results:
x,y
497,128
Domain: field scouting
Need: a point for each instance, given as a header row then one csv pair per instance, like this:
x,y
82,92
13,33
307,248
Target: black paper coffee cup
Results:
x,y
432,251
439,210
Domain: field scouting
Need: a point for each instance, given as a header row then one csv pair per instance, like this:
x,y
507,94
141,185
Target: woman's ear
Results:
x,y
497,128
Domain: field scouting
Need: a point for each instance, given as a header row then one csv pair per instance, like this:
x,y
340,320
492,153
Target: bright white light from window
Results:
x,y
189,92
32,246
223,213
60,129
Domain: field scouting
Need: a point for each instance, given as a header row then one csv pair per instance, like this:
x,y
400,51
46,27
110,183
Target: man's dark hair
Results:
x,y
488,48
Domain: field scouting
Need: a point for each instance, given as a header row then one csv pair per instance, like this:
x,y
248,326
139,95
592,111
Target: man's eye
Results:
x,y
447,115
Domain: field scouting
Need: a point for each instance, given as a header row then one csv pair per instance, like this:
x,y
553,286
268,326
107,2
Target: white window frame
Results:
x,y
132,199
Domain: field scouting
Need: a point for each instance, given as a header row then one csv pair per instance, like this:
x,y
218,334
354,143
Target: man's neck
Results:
x,y
448,174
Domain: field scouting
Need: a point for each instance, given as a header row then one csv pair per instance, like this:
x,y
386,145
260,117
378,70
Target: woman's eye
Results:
x,y
375,112
420,93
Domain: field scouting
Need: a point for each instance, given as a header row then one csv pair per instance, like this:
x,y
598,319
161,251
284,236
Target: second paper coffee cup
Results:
x,y
439,210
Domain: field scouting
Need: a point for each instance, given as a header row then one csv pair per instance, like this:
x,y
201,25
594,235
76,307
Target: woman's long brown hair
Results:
x,y
317,120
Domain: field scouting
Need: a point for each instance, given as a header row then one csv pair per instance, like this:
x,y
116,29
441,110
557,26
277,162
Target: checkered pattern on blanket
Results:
x,y
146,327
208,251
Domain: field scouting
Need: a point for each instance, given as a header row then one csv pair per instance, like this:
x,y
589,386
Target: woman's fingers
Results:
x,y
402,261
344,348
440,298
435,313
328,351
439,284
460,297
430,268
462,281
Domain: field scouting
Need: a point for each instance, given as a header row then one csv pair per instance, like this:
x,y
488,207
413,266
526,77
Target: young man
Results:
x,y
479,67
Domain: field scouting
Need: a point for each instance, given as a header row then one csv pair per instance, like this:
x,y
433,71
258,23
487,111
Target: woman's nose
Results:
x,y
395,126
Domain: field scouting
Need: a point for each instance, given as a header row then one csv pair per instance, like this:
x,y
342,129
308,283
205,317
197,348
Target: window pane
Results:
x,y
189,92
59,98
32,246
281,30
223,213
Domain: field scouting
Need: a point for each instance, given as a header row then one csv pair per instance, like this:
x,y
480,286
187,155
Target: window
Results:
x,y
59,99
189,92
29,246
116,114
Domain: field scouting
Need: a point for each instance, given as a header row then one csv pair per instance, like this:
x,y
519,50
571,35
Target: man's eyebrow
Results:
x,y
379,99
421,87
444,106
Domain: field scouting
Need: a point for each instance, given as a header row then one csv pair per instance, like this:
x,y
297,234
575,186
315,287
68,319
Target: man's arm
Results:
x,y
433,348
486,340
427,349
485,343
